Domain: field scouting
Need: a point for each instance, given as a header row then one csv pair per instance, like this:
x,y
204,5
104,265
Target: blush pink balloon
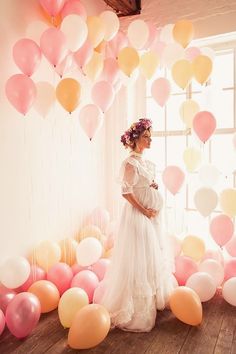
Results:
x,y
21,92
87,280
161,90
173,178
2,322
61,275
230,269
76,268
204,125
23,314
6,296
53,45
100,267
221,229
191,53
66,65
52,7
102,94
36,273
231,246
99,292
27,55
117,43
83,54
184,267
153,31
74,7
111,71
90,118
214,254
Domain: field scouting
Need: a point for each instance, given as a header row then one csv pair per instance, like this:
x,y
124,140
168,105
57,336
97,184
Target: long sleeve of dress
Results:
x,y
129,177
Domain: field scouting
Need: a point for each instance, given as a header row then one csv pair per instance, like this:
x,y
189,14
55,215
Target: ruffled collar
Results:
x,y
137,154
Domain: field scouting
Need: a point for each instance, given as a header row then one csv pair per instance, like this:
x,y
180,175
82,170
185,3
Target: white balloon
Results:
x,y
229,291
138,33
45,99
166,34
75,30
111,23
203,284
205,200
14,272
172,53
88,251
35,30
208,175
213,268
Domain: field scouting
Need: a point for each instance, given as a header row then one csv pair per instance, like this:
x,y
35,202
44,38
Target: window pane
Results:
x,y
157,152
223,70
156,114
174,121
175,148
223,154
159,73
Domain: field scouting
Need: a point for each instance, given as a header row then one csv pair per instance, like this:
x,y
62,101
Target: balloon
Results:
x,y
182,72
61,275
89,327
111,72
96,30
99,217
68,94
186,305
27,56
45,99
202,67
221,229
148,64
93,68
103,95
88,251
230,247
191,53
90,118
83,54
99,292
229,290
138,33
87,280
183,32
184,267
188,110
111,23
228,201
21,92
171,54
214,254
208,175
160,90
70,303
173,178
47,293
209,52
90,230
128,60
192,158
6,295
35,29
47,253
117,43
36,273
54,45
75,30
14,272
68,250
166,34
230,269
2,322
214,268
204,125
74,7
152,36
158,48
22,314
203,284
100,268
66,65
52,7
205,200
193,247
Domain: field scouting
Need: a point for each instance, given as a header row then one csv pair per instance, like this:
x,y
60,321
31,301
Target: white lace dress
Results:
x,y
139,279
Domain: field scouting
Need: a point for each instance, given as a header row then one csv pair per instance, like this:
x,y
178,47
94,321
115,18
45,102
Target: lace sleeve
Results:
x,y
128,177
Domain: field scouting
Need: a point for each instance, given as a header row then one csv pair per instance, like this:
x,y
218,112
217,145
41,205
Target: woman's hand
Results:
x,y
150,213
154,185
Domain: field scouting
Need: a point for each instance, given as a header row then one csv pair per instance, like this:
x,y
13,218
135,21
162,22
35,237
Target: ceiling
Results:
x,y
125,7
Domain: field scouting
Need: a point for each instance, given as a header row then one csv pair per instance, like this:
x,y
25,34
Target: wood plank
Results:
x,y
226,336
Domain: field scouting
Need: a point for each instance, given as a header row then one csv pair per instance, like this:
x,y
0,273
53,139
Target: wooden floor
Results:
x,y
216,334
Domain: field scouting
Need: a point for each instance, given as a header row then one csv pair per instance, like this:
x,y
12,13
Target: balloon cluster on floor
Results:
x,y
95,47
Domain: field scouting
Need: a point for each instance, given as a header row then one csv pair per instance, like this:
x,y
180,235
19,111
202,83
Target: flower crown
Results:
x,y
134,131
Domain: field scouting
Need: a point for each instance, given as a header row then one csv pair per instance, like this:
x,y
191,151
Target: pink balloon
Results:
x,y
66,65
21,92
152,35
100,267
158,47
6,295
90,118
230,269
117,43
23,314
76,268
74,7
99,292
103,95
99,217
214,254
204,125
52,7
53,45
36,273
27,55
161,90
191,53
86,280
184,267
61,275
173,178
231,246
83,54
111,71
221,229
2,322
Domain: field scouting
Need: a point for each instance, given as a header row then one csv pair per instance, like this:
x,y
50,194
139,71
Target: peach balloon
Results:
x,y
89,327
47,253
186,305
182,73
202,68
68,94
93,68
187,111
96,30
89,231
68,251
193,247
128,60
47,293
228,201
148,64
183,32
192,158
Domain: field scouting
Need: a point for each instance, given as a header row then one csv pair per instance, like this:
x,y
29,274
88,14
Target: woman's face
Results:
x,y
144,140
